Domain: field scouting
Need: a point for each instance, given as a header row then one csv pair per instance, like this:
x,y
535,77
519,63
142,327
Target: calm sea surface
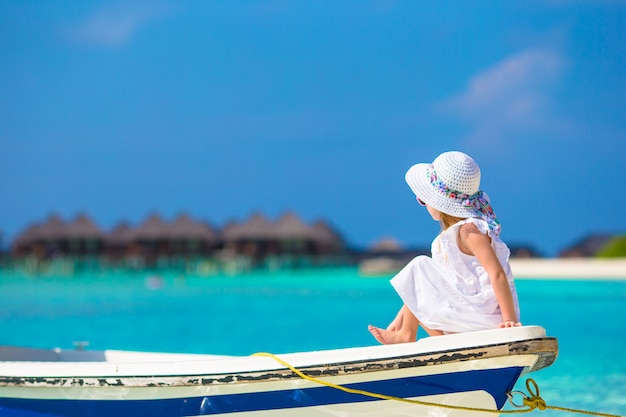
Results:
x,y
300,311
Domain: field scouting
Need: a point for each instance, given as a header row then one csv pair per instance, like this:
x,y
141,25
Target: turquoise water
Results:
x,y
304,310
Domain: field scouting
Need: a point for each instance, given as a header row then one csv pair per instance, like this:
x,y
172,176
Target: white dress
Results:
x,y
451,291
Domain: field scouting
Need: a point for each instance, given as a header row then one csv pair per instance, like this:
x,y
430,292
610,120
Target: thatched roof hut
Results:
x,y
288,234
290,227
24,242
185,228
121,235
156,238
257,227
28,236
152,229
83,236
326,235
53,229
83,228
80,236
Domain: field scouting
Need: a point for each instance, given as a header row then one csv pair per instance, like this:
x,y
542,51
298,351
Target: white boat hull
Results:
x,y
469,370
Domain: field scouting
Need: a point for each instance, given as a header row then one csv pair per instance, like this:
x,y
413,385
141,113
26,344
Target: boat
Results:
x,y
476,370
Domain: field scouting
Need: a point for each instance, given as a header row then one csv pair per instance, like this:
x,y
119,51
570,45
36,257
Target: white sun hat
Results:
x,y
451,185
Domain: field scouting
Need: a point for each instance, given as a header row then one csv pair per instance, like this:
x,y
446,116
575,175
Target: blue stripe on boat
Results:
x,y
496,382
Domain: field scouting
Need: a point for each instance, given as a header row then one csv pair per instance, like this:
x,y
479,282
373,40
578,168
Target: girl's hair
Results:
x,y
447,220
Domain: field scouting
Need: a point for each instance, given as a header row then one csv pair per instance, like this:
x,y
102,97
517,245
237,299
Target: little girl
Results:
x,y
467,285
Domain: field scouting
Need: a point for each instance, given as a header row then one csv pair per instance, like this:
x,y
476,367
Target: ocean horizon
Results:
x,y
304,310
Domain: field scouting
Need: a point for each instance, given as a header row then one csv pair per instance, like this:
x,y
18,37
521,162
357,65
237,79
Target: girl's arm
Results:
x,y
479,245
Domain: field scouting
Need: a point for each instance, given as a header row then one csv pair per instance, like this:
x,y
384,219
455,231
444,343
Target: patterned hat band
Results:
x,y
478,202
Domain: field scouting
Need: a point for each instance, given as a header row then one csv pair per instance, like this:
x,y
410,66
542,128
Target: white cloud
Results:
x,y
115,24
515,94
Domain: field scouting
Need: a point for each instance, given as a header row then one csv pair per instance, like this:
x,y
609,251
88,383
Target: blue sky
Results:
x,y
223,108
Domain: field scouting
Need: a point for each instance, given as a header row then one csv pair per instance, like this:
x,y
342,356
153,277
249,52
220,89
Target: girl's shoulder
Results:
x,y
469,227
477,227
472,225
469,234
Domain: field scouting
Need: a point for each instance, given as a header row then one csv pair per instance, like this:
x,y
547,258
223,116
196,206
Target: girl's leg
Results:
x,y
431,332
404,333
397,321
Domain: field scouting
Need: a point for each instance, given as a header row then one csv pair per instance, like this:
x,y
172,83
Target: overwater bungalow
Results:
x,y
23,244
157,242
55,237
119,243
327,239
293,235
191,237
154,238
84,237
42,240
288,240
253,238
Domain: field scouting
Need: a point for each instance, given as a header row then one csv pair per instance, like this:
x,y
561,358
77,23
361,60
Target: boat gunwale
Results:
x,y
545,348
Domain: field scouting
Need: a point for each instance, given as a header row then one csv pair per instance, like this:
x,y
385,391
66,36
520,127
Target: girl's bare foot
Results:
x,y
388,337
396,324
377,333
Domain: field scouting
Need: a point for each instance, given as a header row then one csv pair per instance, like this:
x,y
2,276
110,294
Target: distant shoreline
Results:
x,y
569,268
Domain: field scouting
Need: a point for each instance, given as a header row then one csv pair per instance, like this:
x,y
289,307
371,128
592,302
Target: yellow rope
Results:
x,y
532,402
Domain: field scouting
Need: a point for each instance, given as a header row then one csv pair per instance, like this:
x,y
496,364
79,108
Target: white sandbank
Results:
x,y
569,268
